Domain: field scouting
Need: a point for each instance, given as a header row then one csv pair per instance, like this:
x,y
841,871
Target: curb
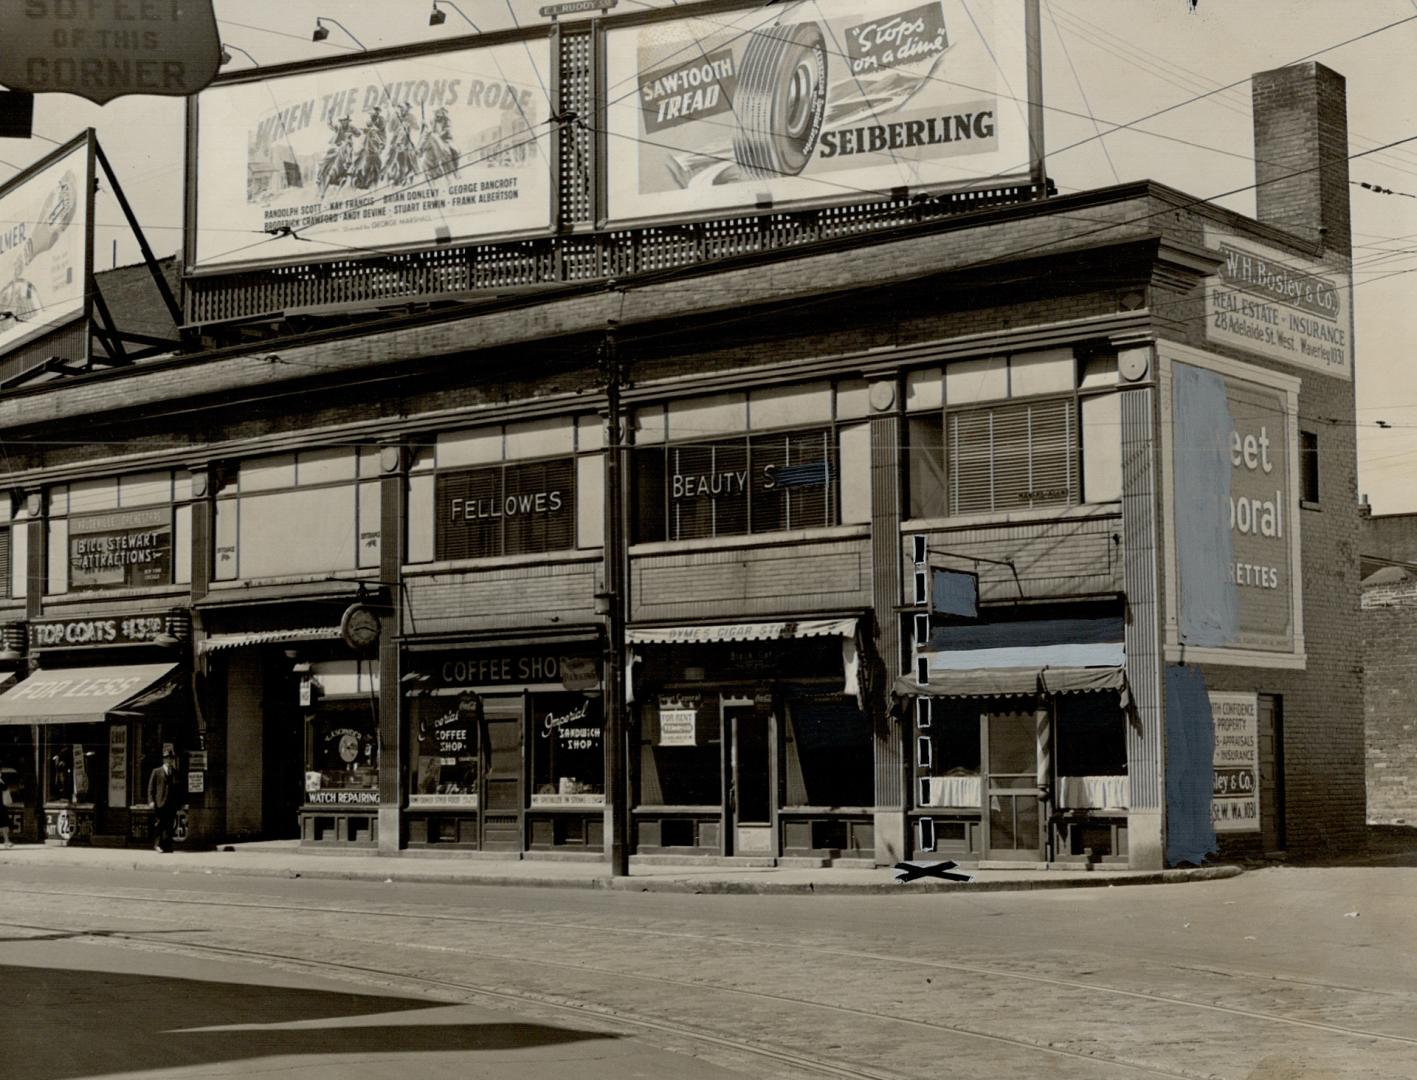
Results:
x,y
690,886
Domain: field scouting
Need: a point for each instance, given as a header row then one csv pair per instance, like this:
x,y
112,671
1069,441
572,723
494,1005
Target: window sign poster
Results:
x,y
1235,804
678,726
442,147
44,247
120,550
118,766
814,100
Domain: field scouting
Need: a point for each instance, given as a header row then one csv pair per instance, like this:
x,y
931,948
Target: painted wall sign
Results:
x,y
814,101
1280,306
128,549
341,797
1234,519
1235,804
440,148
104,49
44,244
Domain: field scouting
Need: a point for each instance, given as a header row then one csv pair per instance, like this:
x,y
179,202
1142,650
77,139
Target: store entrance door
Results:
x,y
1013,800
502,777
748,739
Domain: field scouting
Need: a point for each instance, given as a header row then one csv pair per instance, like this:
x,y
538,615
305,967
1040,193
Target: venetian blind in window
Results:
x,y
1013,456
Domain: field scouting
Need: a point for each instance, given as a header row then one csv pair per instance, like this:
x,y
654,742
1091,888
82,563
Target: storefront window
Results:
x,y
76,762
830,754
568,749
342,753
445,768
681,752
1092,735
947,752
17,764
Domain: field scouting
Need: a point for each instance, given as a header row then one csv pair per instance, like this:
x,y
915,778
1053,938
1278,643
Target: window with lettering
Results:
x,y
125,532
568,749
515,509
343,744
729,487
445,762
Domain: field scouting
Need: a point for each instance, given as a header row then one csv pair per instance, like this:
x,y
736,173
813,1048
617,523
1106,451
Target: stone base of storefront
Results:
x,y
892,837
1145,847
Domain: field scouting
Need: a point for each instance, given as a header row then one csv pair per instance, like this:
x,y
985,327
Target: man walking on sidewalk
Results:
x,y
162,793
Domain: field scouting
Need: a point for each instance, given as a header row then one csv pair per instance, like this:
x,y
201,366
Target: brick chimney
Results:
x,y
1301,153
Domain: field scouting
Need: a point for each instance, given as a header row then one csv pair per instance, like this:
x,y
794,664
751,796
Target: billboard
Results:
x,y
1234,521
1235,800
1280,306
402,153
45,215
813,101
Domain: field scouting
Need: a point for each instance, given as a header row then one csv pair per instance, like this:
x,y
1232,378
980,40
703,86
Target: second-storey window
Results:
x,y
125,532
1010,433
313,511
768,461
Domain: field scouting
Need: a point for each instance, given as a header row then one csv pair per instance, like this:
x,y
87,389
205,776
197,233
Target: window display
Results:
x,y
568,750
342,758
445,769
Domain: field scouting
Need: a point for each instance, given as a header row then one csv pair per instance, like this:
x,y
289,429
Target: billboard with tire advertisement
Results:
x,y
45,249
334,160
814,101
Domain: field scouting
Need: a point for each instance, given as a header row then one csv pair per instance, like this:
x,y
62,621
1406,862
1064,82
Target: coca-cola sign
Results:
x,y
104,49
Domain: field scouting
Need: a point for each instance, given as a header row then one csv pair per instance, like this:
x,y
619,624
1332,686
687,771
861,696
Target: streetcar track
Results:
x,y
845,954
381,976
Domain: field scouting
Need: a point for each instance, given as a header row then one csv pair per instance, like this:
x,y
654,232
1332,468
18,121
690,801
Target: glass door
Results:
x,y
750,801
1012,796
502,775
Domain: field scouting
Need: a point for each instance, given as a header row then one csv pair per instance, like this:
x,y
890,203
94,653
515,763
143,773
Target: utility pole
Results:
x,y
617,795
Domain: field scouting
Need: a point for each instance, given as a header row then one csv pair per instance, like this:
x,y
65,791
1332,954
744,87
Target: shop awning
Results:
x,y
78,695
1017,682
220,642
749,631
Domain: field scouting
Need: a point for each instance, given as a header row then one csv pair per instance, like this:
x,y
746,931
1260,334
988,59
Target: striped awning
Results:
x,y
220,642
746,631
1017,682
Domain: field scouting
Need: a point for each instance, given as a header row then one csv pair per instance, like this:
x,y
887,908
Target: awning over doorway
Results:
x,y
220,642
1017,682
746,631
78,695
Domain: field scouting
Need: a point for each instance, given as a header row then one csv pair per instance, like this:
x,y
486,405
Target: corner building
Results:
x,y
609,537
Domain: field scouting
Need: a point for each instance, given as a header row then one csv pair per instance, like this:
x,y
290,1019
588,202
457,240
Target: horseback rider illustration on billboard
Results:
x,y
338,164
400,162
437,156
369,162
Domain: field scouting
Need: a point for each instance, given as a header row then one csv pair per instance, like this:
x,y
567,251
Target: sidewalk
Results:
x,y
288,859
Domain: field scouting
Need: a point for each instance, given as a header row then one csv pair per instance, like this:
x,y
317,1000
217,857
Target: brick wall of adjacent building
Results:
x,y
1390,700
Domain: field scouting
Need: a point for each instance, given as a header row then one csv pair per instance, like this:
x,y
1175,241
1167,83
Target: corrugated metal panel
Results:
x,y
1143,628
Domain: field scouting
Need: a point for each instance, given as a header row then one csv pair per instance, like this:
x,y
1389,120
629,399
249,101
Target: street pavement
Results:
x,y
1282,973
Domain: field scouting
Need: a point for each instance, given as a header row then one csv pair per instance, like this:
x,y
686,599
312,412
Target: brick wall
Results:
x,y
1390,701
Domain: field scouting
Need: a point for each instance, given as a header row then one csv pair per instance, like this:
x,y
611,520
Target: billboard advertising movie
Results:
x,y
44,247
814,101
438,148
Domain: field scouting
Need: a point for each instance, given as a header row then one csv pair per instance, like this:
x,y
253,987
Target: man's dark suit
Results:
x,y
162,793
